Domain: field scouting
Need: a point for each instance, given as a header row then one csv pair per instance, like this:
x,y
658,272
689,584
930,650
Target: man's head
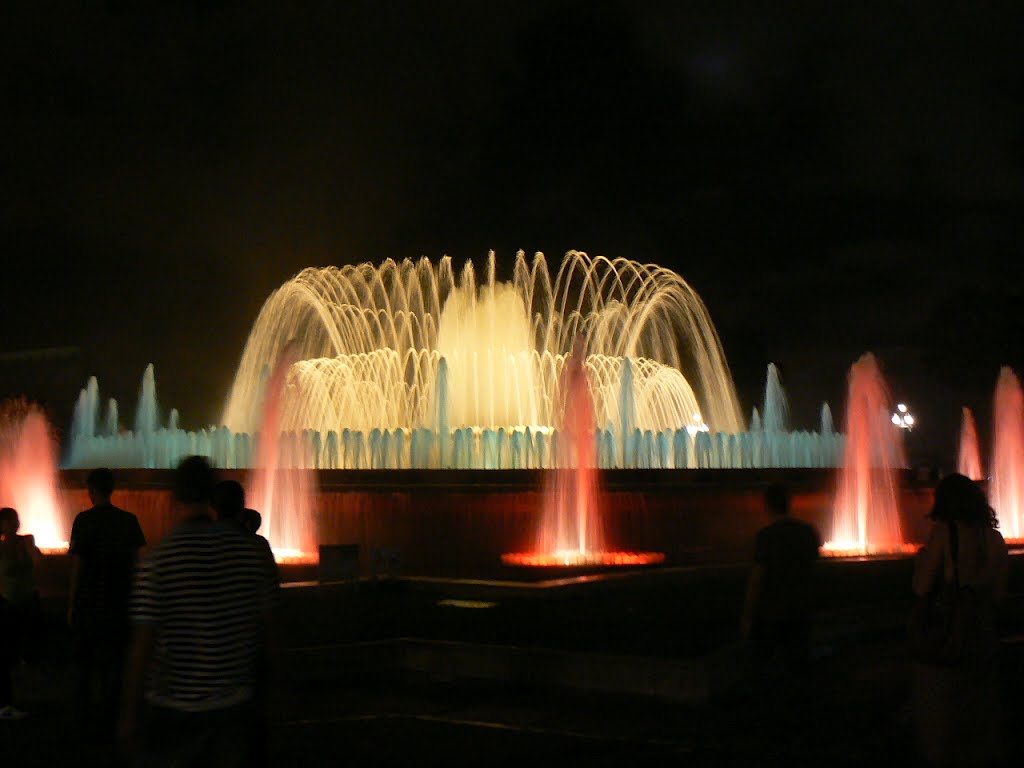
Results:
x,y
101,485
776,500
9,522
252,520
229,500
194,481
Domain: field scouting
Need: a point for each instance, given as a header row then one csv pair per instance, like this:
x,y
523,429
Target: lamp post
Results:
x,y
902,418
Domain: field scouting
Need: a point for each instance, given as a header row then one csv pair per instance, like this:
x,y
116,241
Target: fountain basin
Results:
x,y
852,549
581,559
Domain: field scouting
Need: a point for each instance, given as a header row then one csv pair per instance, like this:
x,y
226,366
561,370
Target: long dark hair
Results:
x,y
959,499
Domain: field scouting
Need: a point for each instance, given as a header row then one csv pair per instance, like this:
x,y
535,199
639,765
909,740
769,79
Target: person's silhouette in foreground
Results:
x,y
201,619
229,504
779,602
955,705
19,603
105,543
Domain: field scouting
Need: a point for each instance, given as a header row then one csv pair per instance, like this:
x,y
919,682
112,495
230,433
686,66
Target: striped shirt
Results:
x,y
204,590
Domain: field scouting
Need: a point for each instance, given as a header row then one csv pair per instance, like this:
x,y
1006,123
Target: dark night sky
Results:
x,y
830,179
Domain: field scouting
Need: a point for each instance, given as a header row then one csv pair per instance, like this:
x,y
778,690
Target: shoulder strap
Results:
x,y
954,545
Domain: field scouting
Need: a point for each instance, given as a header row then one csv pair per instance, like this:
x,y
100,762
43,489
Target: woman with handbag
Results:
x,y
959,578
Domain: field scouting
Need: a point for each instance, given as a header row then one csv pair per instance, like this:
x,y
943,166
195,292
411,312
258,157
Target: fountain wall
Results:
x,y
458,523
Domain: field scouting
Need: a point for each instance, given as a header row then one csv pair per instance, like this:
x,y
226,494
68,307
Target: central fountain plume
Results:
x,y
371,340
865,515
571,531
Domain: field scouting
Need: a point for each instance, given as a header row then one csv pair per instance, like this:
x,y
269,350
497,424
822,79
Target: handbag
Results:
x,y
938,620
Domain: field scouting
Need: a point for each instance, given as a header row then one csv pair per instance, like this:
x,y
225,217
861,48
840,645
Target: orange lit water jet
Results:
x,y
865,515
572,512
1006,489
571,532
28,473
969,455
577,559
281,488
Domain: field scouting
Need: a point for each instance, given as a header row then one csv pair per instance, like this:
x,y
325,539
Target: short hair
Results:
x,y
193,480
9,514
776,497
228,499
102,481
252,520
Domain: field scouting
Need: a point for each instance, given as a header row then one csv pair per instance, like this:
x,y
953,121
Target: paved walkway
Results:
x,y
852,712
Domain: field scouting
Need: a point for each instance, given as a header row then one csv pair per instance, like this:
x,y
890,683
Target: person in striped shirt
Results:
x,y
201,618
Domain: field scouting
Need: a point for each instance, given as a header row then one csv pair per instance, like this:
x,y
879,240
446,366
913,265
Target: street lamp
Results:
x,y
902,418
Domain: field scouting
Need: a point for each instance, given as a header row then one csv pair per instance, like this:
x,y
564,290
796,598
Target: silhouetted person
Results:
x,y
252,520
201,618
229,505
104,549
956,711
229,501
779,603
19,603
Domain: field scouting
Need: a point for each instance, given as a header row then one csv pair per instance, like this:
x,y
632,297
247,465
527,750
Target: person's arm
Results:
x,y
1000,569
929,566
139,540
28,542
75,547
140,652
754,585
145,614
76,576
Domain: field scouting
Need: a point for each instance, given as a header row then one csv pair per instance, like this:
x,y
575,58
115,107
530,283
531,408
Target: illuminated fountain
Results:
x,y
968,453
28,473
281,486
572,531
407,365
1006,488
865,514
371,339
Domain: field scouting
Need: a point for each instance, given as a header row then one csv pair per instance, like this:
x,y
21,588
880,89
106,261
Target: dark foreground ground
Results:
x,y
852,712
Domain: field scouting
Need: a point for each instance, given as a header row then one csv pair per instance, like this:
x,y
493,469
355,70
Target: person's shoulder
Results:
x,y
809,528
125,516
262,544
182,534
997,538
231,535
85,516
778,527
939,531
